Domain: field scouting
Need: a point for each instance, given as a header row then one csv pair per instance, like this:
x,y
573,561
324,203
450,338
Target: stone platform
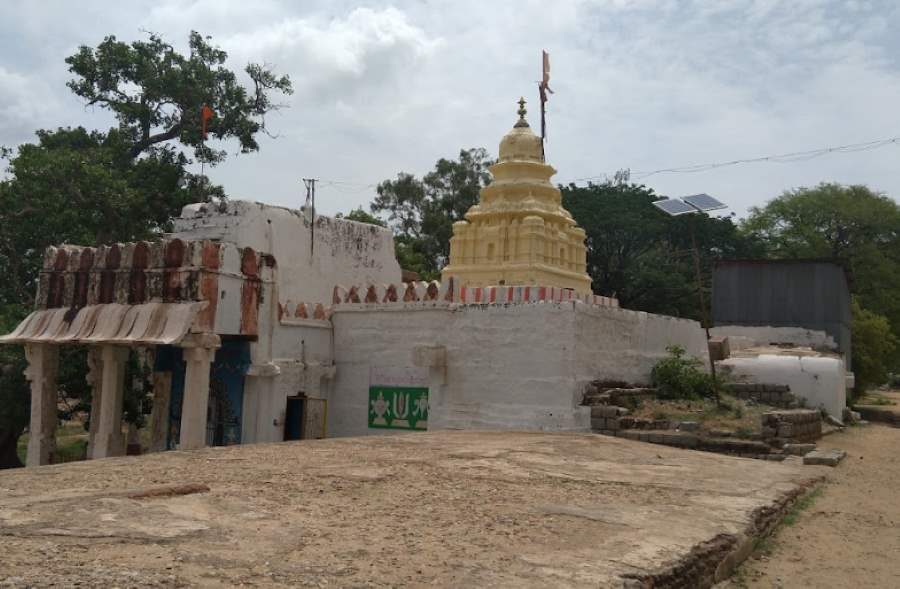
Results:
x,y
473,509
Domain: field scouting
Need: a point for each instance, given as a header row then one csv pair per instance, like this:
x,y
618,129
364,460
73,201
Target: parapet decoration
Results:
x,y
450,292
146,293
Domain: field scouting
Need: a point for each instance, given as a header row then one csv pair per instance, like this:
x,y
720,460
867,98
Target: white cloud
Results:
x,y
23,100
644,84
368,48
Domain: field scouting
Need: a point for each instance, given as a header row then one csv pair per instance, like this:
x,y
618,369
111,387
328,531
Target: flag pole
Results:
x,y
543,89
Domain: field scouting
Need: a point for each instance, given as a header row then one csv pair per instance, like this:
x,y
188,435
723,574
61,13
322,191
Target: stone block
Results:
x,y
689,426
785,430
799,449
603,411
598,423
824,457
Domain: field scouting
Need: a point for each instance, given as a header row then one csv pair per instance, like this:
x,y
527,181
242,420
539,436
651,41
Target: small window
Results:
x,y
490,252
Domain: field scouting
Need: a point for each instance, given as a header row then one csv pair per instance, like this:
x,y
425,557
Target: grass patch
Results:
x,y
876,399
801,505
766,545
71,443
731,414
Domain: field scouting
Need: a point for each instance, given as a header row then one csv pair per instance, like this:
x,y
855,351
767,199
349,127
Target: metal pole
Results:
x,y
703,311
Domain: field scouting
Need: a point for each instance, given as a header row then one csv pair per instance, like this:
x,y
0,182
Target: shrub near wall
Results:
x,y
681,377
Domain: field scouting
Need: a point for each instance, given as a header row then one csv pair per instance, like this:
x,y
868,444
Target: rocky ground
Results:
x,y
468,509
849,536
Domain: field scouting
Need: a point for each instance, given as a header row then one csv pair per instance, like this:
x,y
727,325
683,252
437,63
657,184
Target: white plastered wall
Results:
x,y
819,380
295,355
504,366
344,252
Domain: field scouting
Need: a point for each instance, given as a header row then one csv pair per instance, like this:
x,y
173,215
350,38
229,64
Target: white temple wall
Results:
x,y
619,344
502,366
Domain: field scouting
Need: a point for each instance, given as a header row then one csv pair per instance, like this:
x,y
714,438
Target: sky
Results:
x,y
382,88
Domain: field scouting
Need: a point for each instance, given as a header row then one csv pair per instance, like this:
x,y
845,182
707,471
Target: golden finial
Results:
x,y
522,122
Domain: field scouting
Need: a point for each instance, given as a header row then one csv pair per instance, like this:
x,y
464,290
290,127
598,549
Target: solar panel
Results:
x,y
674,207
704,202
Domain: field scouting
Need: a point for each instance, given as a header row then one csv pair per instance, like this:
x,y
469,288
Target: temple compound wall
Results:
x,y
503,363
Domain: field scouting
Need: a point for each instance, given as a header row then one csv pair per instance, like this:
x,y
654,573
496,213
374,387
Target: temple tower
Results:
x,y
519,233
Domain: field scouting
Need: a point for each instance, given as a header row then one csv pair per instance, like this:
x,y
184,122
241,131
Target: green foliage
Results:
x,y
360,216
75,186
14,396
642,256
874,345
157,94
681,377
422,212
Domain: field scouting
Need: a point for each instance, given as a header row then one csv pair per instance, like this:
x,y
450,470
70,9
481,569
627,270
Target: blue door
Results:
x,y
226,391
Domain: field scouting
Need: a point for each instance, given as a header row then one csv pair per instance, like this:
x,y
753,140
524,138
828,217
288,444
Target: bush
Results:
x,y
874,346
681,377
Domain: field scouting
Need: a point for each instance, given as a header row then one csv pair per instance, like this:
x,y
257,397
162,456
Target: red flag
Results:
x,y
206,113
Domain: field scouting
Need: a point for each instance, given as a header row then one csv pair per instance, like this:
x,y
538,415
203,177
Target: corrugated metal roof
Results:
x,y
111,323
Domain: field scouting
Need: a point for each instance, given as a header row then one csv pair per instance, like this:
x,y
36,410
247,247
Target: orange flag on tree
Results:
x,y
206,113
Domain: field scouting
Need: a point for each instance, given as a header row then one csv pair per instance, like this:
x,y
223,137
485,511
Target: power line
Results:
x,y
797,156
783,158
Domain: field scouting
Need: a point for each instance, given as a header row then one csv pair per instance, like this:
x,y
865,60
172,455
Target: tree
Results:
x,y
642,256
874,347
854,225
422,212
157,94
125,184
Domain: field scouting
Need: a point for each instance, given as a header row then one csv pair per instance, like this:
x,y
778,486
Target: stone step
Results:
x,y
697,442
824,457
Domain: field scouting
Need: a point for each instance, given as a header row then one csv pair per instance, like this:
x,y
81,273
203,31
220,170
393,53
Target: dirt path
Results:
x,y
850,535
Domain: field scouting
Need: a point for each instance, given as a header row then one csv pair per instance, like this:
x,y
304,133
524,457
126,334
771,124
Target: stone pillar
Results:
x,y
159,418
196,397
108,440
94,379
43,364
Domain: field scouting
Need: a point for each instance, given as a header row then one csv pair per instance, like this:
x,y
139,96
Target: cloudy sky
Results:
x,y
389,87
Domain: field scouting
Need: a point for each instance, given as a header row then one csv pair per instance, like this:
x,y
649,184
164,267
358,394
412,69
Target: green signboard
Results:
x,y
393,407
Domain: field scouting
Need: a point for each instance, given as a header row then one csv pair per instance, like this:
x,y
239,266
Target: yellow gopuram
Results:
x,y
519,233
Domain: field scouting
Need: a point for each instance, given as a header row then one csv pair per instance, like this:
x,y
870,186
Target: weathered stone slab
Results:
x,y
824,457
799,449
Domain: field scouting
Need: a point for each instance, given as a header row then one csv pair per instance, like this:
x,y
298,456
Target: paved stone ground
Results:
x,y
850,535
458,509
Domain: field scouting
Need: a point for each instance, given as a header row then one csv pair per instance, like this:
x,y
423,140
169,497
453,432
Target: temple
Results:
x,y
254,323
519,233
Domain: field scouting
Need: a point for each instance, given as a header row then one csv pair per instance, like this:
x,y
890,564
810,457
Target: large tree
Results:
x,y
123,184
422,212
157,94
